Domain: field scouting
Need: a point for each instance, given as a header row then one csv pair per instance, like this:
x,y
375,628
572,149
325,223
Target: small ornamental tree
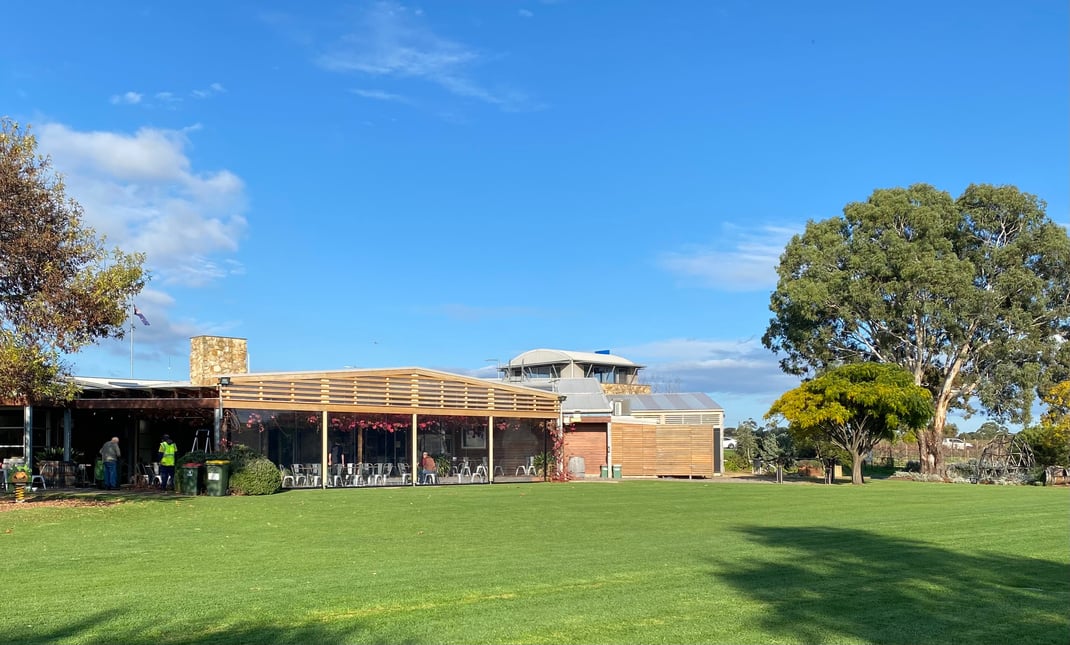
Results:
x,y
776,446
854,407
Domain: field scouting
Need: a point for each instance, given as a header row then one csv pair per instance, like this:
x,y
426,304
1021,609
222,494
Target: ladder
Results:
x,y
202,438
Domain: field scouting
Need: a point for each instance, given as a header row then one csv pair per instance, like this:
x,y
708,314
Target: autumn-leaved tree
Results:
x,y
970,295
1050,440
855,406
60,288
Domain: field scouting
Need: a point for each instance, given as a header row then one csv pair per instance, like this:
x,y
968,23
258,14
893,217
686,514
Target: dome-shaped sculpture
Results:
x,y
1007,456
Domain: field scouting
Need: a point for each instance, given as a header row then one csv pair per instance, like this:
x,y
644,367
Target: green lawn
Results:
x,y
630,562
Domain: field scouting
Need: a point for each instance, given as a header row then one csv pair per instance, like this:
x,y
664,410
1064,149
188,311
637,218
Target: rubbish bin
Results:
x,y
616,471
98,473
604,472
218,477
188,477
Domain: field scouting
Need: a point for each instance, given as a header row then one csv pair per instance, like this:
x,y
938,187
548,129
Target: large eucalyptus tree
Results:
x,y
971,295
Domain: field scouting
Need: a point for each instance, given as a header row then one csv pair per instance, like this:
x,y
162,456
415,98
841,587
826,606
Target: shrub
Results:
x,y
964,469
258,476
195,457
735,462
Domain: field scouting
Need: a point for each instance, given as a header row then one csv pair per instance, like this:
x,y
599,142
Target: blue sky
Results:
x,y
378,184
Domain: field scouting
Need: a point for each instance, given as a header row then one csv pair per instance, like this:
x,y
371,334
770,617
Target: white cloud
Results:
x,y
211,90
742,260
127,98
379,95
167,99
141,191
525,13
743,366
741,375
391,40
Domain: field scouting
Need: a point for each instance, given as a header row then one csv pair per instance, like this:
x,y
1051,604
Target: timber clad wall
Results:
x,y
644,449
210,356
663,451
635,448
587,441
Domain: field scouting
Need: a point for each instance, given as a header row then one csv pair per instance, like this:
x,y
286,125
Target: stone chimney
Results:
x,y
211,356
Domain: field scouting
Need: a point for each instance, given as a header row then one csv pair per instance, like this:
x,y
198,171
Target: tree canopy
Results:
x,y
60,289
855,406
970,295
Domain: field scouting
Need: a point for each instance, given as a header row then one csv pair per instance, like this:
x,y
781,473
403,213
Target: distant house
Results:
x,y
611,418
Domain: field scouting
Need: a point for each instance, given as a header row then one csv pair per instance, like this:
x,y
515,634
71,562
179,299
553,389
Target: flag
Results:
x,y
137,312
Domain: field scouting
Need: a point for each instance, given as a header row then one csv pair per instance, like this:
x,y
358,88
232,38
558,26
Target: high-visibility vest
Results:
x,y
168,450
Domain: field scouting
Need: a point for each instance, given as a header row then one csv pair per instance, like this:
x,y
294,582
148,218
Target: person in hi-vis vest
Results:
x,y
166,456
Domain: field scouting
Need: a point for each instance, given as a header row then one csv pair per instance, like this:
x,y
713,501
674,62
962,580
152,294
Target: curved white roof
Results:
x,y
557,356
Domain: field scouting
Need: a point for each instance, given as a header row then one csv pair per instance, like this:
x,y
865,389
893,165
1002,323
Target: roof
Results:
x,y
112,383
558,356
390,390
581,395
669,402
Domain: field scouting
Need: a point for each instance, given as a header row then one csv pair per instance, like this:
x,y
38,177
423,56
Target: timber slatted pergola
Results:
x,y
411,390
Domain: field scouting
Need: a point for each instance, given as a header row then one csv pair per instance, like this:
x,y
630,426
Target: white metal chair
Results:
x,y
287,474
355,474
38,478
313,475
382,472
464,471
300,477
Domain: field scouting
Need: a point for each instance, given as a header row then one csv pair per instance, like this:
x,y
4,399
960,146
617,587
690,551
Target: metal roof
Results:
x,y
669,402
558,356
581,394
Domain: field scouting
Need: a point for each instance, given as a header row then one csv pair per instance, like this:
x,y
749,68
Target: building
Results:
x,y
376,417
611,418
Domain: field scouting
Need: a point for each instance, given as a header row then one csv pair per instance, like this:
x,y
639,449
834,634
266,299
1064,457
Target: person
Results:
x,y
109,454
336,454
166,456
427,467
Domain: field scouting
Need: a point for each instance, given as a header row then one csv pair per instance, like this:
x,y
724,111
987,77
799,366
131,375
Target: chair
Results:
x,y
354,474
286,474
337,476
403,471
300,478
313,474
38,478
140,477
464,470
382,471
152,473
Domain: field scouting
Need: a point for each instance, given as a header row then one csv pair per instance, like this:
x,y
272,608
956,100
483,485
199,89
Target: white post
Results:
x,y
323,452
490,449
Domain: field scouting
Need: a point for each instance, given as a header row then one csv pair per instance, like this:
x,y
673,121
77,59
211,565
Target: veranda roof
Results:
x,y
403,390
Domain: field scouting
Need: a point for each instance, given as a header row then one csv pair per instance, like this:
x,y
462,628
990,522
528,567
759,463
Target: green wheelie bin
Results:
x,y
218,477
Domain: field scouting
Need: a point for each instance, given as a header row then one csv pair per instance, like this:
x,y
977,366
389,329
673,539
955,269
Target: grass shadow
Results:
x,y
112,628
824,584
